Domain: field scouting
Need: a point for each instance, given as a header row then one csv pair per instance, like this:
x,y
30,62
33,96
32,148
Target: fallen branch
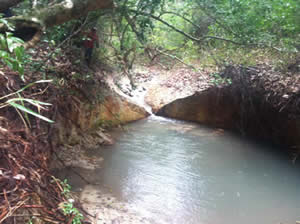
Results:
x,y
176,58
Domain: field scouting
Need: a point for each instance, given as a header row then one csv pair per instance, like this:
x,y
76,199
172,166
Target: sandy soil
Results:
x,y
163,87
107,209
79,167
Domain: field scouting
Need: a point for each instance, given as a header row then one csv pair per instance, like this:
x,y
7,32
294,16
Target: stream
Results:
x,y
184,173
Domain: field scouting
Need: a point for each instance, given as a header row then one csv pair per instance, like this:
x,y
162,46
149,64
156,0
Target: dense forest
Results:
x,y
42,59
194,29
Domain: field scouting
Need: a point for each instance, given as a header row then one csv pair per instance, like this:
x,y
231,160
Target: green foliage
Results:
x,y
67,206
27,110
66,188
120,47
12,52
174,39
26,6
252,23
21,106
143,24
265,22
58,33
6,23
69,209
218,80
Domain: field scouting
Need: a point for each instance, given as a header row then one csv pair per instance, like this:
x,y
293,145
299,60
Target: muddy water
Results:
x,y
183,173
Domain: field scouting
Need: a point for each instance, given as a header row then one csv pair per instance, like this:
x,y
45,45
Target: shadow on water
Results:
x,y
182,172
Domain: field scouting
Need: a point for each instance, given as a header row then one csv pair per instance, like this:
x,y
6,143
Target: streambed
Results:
x,y
184,173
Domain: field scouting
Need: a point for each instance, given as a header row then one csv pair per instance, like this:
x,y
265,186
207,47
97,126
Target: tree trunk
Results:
x,y
30,26
68,10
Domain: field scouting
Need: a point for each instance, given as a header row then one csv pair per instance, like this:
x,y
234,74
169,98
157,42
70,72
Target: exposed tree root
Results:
x,y
268,101
27,187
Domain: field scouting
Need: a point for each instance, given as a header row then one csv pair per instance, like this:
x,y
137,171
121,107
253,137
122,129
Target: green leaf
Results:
x,y
26,110
29,85
17,40
6,23
9,63
34,102
19,51
3,54
13,42
15,65
21,72
2,41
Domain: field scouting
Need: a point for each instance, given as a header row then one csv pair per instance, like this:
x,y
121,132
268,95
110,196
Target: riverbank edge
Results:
x,y
83,106
257,102
84,125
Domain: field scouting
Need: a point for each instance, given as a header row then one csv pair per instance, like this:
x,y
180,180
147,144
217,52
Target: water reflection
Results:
x,y
184,173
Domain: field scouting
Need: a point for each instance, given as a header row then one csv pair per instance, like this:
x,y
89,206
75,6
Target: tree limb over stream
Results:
x,y
38,20
182,32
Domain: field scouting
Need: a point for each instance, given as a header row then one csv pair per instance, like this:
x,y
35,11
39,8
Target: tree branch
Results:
x,y
182,32
181,16
208,13
133,27
176,58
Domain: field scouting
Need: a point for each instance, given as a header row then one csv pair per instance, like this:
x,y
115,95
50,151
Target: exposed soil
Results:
x,y
164,86
282,88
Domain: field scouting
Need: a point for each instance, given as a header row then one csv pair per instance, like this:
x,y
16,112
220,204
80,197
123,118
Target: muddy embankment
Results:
x,y
81,126
83,119
257,102
99,106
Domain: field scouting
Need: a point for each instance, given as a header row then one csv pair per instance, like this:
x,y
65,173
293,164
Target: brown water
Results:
x,y
183,173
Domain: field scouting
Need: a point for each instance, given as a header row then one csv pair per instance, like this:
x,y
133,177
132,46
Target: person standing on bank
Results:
x,y
89,43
